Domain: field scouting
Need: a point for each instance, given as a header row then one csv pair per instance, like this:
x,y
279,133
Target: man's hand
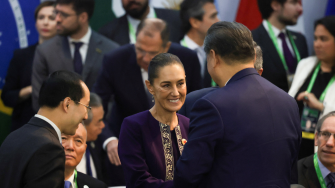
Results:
x,y
112,152
310,100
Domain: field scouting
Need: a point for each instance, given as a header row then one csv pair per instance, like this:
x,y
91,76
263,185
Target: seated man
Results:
x,y
74,147
318,170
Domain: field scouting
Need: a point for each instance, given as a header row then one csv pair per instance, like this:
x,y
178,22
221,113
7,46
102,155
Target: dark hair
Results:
x,y
329,23
231,40
80,6
155,24
191,9
265,7
58,86
42,5
320,122
159,61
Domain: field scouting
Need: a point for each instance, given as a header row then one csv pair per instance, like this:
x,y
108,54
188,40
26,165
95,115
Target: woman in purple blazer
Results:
x,y
152,141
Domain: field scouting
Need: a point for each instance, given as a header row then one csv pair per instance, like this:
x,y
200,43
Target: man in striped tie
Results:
x,y
74,147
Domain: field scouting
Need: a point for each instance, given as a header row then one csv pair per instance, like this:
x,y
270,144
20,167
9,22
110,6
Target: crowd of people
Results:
x,y
166,98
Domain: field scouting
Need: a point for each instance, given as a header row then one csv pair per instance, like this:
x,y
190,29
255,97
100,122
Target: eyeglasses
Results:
x,y
88,107
63,15
326,135
143,53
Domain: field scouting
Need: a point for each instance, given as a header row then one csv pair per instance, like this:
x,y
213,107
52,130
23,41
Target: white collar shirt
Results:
x,y
83,49
276,32
81,167
145,76
53,126
135,22
200,52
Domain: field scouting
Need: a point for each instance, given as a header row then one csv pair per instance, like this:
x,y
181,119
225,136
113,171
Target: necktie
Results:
x,y
67,184
77,61
88,162
330,179
290,60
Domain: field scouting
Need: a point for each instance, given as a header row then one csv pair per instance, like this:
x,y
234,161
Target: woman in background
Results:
x,y
152,141
16,92
313,86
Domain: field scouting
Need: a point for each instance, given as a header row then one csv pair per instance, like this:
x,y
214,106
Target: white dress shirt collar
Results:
x,y
71,179
52,124
85,39
190,43
323,169
275,30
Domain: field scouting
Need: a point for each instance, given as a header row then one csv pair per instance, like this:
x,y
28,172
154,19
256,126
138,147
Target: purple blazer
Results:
x,y
145,161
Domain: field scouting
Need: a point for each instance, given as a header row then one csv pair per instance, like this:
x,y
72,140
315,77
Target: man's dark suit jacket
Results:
x,y
96,153
121,77
54,54
307,174
18,77
191,98
274,70
118,31
32,156
83,179
245,134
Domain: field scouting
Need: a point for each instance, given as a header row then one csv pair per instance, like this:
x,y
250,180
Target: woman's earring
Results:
x,y
153,100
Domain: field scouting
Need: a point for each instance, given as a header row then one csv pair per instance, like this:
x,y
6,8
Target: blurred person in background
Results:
x,y
313,86
16,92
282,48
197,16
123,30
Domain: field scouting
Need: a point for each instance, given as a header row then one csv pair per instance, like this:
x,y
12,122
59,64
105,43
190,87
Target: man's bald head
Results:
x,y
151,25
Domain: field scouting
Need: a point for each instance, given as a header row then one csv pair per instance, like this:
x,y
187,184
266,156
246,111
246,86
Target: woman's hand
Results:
x,y
310,100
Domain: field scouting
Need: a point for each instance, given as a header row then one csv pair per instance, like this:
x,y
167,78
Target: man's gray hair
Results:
x,y
259,56
320,122
95,101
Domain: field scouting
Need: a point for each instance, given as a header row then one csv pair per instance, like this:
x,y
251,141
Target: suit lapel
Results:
x,y
41,123
310,173
134,71
270,50
93,53
65,54
122,33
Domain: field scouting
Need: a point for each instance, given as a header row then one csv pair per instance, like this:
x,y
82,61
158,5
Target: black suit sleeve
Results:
x,y
11,89
46,168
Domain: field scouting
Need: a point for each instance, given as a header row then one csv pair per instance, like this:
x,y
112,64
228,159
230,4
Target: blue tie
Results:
x,y
330,179
88,162
77,61
67,184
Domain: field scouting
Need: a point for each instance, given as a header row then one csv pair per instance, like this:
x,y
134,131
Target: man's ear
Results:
x,y
167,47
149,86
260,71
66,104
195,23
276,6
316,139
83,17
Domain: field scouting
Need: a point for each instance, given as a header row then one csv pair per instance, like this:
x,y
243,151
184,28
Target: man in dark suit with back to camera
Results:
x,y
282,48
237,130
318,170
123,30
77,47
74,148
33,156
125,70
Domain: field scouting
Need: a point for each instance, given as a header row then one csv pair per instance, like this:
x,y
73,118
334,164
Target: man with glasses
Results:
x,y
33,156
76,48
125,70
318,170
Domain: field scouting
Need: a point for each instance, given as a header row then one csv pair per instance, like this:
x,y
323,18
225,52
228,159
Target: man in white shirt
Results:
x,y
197,16
282,48
74,147
33,155
318,170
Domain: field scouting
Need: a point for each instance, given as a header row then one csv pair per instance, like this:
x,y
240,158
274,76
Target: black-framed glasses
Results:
x,y
88,107
326,135
63,15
